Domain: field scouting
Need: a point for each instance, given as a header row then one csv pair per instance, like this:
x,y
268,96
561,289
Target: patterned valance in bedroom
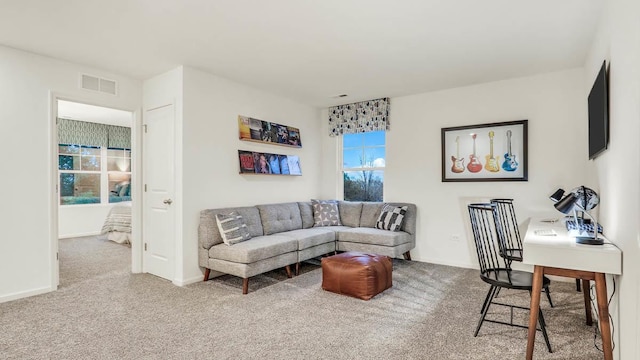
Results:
x,y
92,134
364,116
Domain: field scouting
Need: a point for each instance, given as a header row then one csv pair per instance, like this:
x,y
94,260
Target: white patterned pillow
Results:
x,y
325,213
391,217
232,228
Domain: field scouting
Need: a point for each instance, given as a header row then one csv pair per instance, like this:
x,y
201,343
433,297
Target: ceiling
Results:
x,y
97,114
312,50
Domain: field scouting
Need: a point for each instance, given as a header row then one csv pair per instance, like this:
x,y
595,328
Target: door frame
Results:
x,y
136,181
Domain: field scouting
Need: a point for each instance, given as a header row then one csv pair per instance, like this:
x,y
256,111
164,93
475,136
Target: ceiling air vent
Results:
x,y
95,83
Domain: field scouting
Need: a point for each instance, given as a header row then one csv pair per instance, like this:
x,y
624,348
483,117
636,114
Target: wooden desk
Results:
x,y
560,255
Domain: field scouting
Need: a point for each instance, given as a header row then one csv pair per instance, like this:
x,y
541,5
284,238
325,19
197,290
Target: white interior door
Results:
x,y
158,211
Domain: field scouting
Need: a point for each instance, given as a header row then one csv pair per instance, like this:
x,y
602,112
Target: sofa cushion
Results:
x,y
370,213
325,213
350,213
232,228
306,213
410,217
391,218
373,236
311,237
208,228
277,218
256,249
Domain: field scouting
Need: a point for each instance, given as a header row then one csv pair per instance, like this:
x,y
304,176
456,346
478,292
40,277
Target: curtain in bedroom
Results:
x,y
364,116
93,134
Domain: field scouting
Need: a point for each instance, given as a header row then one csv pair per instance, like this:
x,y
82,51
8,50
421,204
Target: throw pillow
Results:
x,y
325,213
232,228
391,217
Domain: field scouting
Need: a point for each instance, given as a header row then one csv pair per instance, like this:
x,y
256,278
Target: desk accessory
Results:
x,y
581,199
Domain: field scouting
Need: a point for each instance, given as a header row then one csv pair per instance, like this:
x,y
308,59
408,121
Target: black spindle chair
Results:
x,y
511,240
496,269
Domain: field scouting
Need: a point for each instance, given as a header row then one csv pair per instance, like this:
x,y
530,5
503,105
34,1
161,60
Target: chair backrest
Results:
x,y
510,234
485,225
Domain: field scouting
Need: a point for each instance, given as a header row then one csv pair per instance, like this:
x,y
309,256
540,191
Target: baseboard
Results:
x,y
184,282
67,236
447,263
24,294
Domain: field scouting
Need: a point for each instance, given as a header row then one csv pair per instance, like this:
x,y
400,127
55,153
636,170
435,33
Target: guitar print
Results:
x,y
510,163
458,162
492,162
474,164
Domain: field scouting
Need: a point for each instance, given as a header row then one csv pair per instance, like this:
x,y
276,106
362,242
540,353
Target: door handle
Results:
x,y
167,201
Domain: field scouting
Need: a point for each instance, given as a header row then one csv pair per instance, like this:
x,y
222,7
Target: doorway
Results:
x,y
95,177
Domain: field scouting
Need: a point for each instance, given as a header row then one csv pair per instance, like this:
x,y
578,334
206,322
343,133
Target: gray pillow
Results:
x,y
325,213
232,228
391,217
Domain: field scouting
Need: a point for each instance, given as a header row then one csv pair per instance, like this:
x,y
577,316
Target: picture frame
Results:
x,y
485,152
261,131
260,163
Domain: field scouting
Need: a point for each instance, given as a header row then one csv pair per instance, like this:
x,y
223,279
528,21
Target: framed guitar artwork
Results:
x,y
485,152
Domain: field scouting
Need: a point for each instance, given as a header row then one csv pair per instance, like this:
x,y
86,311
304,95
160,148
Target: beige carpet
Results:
x,y
101,311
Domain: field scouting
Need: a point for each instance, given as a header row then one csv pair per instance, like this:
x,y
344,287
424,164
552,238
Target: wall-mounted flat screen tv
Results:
x,y
599,114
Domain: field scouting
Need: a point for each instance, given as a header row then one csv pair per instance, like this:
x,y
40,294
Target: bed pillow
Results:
x,y
325,213
232,228
391,217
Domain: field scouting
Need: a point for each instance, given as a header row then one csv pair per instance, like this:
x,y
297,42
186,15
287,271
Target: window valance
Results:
x,y
93,134
364,116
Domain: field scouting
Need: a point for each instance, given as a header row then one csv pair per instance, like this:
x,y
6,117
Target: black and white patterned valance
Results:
x,y
93,134
364,116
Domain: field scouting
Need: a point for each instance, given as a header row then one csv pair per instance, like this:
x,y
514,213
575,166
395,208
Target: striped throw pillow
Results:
x,y
232,228
391,217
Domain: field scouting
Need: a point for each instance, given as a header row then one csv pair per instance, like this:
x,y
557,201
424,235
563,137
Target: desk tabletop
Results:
x,y
562,251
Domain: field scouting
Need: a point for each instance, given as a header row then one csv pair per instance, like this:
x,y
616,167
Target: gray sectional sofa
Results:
x,y
284,234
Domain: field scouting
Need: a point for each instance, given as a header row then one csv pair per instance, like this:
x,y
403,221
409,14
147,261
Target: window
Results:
x,y
363,163
119,174
93,174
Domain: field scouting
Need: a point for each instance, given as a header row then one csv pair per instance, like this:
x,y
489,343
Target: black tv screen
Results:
x,y
599,114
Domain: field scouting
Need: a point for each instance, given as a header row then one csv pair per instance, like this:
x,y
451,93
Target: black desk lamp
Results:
x,y
572,202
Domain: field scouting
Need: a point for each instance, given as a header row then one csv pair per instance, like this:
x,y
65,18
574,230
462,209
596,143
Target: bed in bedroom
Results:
x,y
117,225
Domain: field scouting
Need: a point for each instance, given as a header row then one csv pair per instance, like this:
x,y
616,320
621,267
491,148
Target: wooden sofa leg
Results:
x,y
206,274
297,268
245,286
407,256
288,270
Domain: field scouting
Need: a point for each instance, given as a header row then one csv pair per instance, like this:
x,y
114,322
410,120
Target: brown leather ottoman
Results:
x,y
356,274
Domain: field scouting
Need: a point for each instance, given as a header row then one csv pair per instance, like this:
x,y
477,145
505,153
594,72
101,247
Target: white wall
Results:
x,y
81,220
26,261
210,170
556,109
618,169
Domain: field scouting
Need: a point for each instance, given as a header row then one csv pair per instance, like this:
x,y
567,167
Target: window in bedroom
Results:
x,y
363,164
119,174
80,170
93,174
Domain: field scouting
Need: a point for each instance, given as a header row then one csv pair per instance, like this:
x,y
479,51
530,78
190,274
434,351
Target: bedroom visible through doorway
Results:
x,y
94,180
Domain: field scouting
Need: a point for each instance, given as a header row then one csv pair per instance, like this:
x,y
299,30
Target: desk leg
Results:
x,y
538,271
603,311
586,291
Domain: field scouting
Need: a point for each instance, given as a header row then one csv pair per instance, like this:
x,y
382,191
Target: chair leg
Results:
x,y
297,268
543,327
206,274
546,290
578,285
288,270
407,256
486,299
245,286
484,313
